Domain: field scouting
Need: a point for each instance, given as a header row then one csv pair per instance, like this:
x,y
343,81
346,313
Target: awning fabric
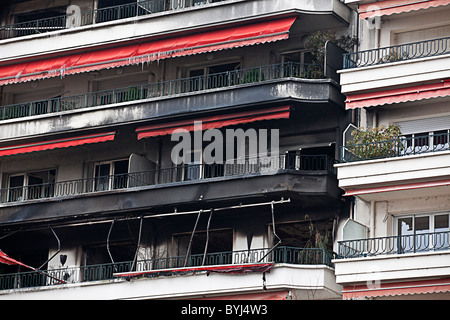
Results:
x,y
419,92
4,258
203,42
388,7
269,295
214,122
226,268
54,144
397,289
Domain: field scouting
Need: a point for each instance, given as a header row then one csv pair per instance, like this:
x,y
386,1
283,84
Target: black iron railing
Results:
x,y
418,242
183,173
163,89
409,51
289,255
403,146
75,18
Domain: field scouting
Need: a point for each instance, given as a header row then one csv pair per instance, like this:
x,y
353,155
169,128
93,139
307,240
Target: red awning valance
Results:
x,y
208,41
419,92
388,7
215,122
397,289
54,144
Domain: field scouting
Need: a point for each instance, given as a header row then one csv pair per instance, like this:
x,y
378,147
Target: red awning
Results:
x,y
420,92
227,268
400,187
397,289
388,7
214,122
53,144
208,41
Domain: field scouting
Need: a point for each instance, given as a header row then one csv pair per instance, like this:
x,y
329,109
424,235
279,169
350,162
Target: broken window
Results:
x,y
32,185
111,175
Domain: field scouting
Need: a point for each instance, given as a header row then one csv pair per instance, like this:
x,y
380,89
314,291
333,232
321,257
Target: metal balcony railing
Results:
x,y
418,242
179,174
403,146
403,52
75,18
289,255
163,89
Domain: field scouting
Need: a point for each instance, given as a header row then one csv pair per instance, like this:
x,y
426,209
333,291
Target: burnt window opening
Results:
x,y
219,251
98,264
306,234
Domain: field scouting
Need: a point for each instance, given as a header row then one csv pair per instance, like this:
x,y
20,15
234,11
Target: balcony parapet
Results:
x,y
402,244
75,19
157,267
401,147
403,52
305,164
169,88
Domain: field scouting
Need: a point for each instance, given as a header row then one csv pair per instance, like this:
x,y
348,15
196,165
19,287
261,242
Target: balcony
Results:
x,y
277,83
138,24
393,258
401,65
74,19
163,89
310,178
395,169
87,280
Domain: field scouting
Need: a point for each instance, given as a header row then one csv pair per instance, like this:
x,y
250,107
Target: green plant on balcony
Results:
x,y
317,40
372,143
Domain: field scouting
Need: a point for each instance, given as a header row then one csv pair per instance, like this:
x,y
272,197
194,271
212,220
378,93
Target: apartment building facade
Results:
x,y
94,202
395,245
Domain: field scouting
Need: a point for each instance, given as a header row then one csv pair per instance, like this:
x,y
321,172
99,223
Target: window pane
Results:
x,y
406,233
102,177
15,188
120,174
441,228
422,229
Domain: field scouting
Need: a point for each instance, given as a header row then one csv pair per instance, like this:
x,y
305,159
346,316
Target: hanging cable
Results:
x,y
59,248
192,237
207,236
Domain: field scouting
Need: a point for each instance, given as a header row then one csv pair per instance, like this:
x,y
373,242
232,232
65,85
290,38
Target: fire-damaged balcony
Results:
x,y
307,179
230,264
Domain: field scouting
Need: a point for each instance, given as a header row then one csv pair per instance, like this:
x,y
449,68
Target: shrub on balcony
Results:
x,y
372,143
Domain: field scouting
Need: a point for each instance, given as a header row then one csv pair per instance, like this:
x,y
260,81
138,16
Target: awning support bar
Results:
x,y
188,253
207,236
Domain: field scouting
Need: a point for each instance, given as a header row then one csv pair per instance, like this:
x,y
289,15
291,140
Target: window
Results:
x,y
32,185
111,175
423,232
299,63
426,142
211,77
